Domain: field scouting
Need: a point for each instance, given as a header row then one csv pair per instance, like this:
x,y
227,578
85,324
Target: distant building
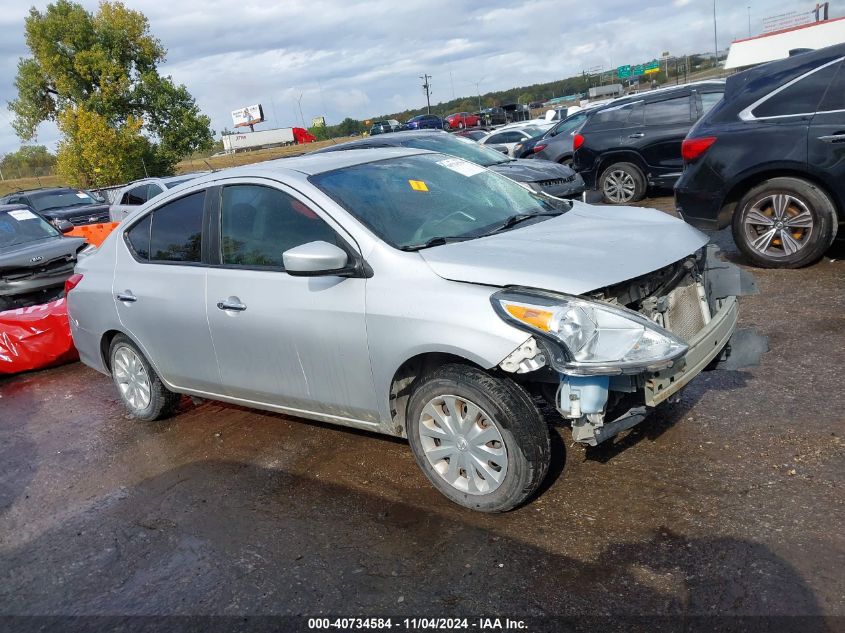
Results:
x,y
777,44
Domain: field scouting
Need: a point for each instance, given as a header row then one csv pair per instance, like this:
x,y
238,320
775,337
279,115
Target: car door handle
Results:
x,y
839,137
232,303
126,296
636,135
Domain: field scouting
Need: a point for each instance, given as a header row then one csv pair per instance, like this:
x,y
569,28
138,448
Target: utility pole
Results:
x,y
427,87
299,103
478,91
715,37
452,81
749,21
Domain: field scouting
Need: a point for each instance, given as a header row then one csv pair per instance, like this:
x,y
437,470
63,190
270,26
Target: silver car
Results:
x,y
139,192
408,293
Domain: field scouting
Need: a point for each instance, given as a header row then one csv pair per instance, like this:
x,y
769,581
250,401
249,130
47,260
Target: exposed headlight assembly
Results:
x,y
590,337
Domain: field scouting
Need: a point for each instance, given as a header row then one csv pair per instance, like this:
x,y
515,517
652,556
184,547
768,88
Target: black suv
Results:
x,y
62,203
635,142
770,160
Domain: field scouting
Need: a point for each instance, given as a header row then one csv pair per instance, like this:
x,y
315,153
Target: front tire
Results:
x,y
784,223
622,183
478,438
140,388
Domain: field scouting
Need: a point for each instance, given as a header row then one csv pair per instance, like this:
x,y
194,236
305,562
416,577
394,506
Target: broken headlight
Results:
x,y
594,337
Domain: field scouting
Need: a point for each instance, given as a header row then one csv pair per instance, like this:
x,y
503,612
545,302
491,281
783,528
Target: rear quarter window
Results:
x,y
800,97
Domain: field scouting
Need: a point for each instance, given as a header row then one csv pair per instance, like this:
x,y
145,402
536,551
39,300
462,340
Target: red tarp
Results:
x,y
35,337
301,135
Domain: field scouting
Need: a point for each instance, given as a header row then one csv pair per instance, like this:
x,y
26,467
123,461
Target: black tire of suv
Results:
x,y
817,202
163,402
636,175
566,161
523,429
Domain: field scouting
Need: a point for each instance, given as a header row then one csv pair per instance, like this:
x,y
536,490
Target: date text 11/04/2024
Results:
x,y
418,624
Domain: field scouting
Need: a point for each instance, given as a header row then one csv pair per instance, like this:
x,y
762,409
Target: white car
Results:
x,y
137,193
505,139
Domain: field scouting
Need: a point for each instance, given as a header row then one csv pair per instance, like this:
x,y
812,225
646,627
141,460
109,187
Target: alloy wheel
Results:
x,y
778,225
619,186
463,444
132,379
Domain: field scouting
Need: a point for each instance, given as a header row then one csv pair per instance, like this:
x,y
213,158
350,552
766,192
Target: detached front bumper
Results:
x,y
703,348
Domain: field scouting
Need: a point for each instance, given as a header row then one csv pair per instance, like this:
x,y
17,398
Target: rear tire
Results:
x,y
478,438
784,223
140,389
622,183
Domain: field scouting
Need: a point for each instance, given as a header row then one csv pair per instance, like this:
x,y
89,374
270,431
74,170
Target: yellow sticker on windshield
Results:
x,y
418,185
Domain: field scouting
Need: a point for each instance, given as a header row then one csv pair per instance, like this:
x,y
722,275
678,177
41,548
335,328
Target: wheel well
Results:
x,y
105,344
402,385
742,187
621,157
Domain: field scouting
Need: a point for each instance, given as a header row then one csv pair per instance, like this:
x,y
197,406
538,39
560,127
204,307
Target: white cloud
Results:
x,y
364,59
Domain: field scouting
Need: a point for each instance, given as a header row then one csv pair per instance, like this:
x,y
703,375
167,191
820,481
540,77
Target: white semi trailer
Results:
x,y
253,140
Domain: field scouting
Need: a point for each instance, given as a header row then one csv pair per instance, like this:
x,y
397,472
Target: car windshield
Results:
x,y
412,201
19,226
456,146
60,199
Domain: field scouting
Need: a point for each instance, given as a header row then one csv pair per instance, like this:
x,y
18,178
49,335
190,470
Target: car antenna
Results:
x,y
207,164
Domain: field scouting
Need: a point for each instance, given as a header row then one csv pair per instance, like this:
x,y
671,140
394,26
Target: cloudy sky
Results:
x,y
361,59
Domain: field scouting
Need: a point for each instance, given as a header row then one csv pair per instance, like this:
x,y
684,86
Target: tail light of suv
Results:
x,y
694,148
577,141
539,147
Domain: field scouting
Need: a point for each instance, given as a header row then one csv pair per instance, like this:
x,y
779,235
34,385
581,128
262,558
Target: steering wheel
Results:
x,y
426,227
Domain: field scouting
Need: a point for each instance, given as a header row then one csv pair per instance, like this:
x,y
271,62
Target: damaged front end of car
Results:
x,y
611,354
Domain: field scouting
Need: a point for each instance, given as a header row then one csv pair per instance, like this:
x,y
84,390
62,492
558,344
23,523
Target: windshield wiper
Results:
x,y
437,241
521,217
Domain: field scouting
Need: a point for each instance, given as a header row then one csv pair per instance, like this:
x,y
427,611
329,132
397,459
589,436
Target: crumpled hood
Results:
x,y
524,170
587,248
21,255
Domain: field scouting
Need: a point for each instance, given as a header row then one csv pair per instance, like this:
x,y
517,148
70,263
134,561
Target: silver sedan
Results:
x,y
408,293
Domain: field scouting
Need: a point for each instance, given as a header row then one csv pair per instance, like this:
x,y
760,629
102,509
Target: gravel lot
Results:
x,y
731,501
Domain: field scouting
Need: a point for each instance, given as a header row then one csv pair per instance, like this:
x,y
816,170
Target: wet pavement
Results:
x,y
730,501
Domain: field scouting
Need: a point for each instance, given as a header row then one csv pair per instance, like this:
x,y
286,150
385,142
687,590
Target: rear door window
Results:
x,y
668,111
176,230
801,97
617,117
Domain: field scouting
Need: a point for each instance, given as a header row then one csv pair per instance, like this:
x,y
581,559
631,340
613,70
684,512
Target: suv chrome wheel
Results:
x,y
778,225
131,378
463,444
619,186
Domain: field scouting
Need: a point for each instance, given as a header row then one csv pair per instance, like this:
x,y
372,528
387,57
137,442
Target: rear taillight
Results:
x,y
72,282
577,141
694,148
539,148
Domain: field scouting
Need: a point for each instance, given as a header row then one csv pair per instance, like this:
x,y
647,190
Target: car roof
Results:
x,y
391,139
318,163
40,190
13,207
660,92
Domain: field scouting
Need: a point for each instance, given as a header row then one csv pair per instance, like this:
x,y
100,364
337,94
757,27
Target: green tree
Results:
x,y
27,162
100,69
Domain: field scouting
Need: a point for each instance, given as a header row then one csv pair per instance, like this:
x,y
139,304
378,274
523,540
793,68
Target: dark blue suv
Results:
x,y
425,122
769,160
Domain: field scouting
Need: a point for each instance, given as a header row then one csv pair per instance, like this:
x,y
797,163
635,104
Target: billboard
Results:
x,y
247,116
318,121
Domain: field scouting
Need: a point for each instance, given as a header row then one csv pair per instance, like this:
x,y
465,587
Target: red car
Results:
x,y
460,120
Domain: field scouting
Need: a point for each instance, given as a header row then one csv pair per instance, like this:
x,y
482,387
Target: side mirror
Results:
x,y
64,226
314,259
